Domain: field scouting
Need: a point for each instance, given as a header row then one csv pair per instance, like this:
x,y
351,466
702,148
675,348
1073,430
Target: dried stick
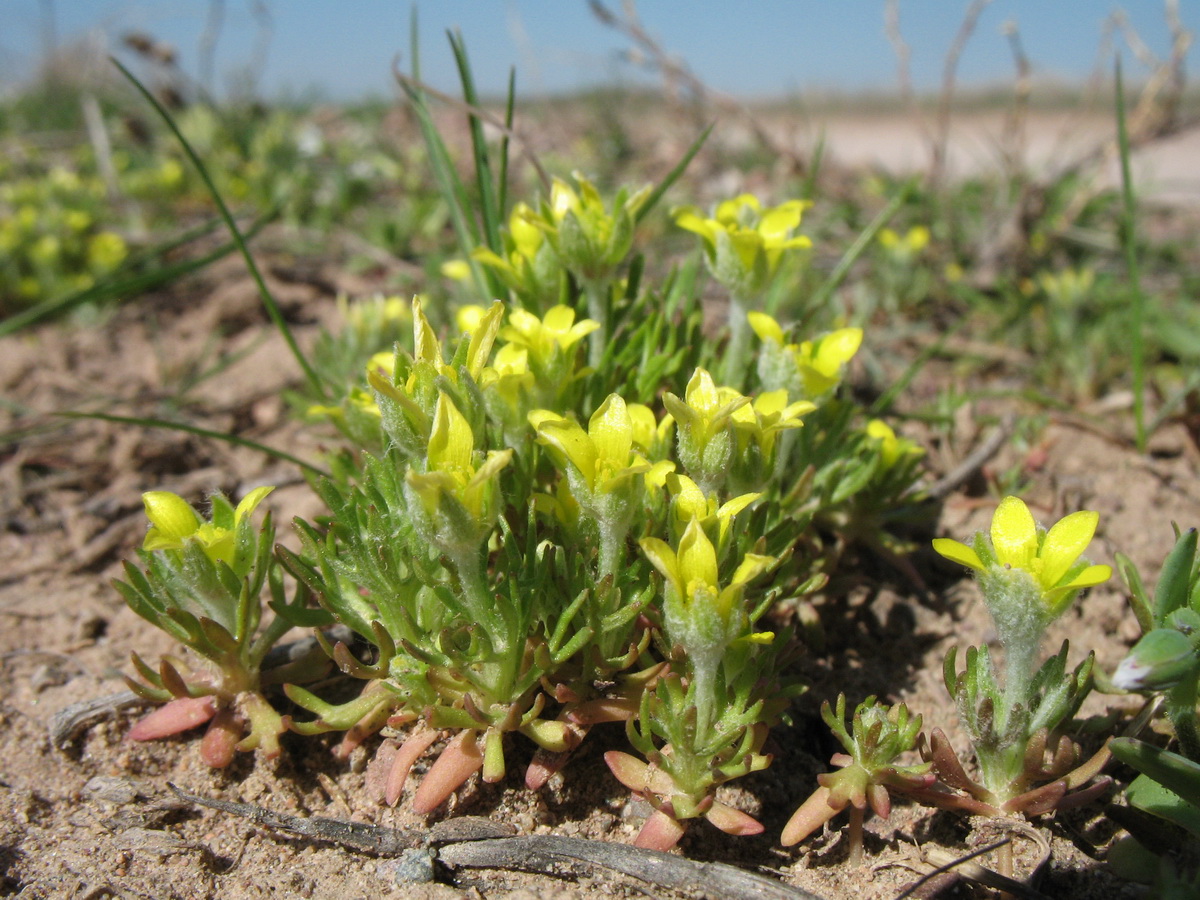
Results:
x,y
937,168
938,136
471,842
541,852
677,77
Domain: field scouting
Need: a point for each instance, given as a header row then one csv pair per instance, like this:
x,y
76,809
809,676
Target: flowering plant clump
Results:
x,y
552,516
1166,661
535,546
1028,577
203,584
867,771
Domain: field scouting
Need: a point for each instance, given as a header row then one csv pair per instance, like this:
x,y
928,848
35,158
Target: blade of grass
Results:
x,y
1129,245
268,300
822,294
671,177
199,432
884,402
490,212
510,105
452,189
114,286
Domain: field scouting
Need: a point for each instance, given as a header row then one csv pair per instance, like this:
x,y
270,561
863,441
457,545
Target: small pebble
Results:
x,y
414,866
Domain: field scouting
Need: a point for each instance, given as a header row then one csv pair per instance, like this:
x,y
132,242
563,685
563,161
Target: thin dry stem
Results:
x,y
679,80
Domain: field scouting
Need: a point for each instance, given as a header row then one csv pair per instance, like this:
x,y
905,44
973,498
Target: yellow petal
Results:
x,y
731,508
701,394
690,502
249,502
697,556
765,327
958,552
451,441
663,558
611,432
641,418
526,236
172,520
777,222
558,319
656,476
747,245
690,220
1090,577
1064,543
570,440
496,460
482,338
770,402
730,211
1014,534
427,347
751,566
837,348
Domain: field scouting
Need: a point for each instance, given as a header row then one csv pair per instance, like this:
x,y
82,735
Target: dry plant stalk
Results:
x,y
678,79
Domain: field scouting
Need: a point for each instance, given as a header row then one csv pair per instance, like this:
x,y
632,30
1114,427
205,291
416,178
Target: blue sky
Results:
x,y
749,47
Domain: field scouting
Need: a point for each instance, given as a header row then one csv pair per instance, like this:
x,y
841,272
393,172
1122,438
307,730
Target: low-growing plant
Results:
x,y
1017,721
1165,661
203,584
532,545
868,772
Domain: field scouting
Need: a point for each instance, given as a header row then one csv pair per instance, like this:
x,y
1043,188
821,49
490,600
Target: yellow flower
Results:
x,y
590,239
603,456
817,364
1070,287
544,338
417,393
906,249
105,251
689,503
767,415
456,270
694,594
1050,558
450,464
743,243
891,448
173,523
821,361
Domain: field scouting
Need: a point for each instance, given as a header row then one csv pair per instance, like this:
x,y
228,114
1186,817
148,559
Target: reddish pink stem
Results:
x,y
180,714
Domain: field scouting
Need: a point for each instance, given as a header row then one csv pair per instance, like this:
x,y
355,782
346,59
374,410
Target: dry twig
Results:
x,y
472,842
678,78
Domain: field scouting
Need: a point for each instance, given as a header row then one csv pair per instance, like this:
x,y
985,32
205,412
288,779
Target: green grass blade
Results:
x,y
200,432
672,176
490,212
114,286
1129,245
862,242
509,114
264,293
885,400
450,186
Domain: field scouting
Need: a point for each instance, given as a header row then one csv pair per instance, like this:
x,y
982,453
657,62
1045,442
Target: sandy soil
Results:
x,y
95,819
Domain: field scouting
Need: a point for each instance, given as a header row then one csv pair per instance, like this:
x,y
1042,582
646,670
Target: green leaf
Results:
x,y
1142,610
1177,774
1149,796
1175,577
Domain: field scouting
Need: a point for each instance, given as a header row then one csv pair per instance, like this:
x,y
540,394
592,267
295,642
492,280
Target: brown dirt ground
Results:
x,y
70,823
